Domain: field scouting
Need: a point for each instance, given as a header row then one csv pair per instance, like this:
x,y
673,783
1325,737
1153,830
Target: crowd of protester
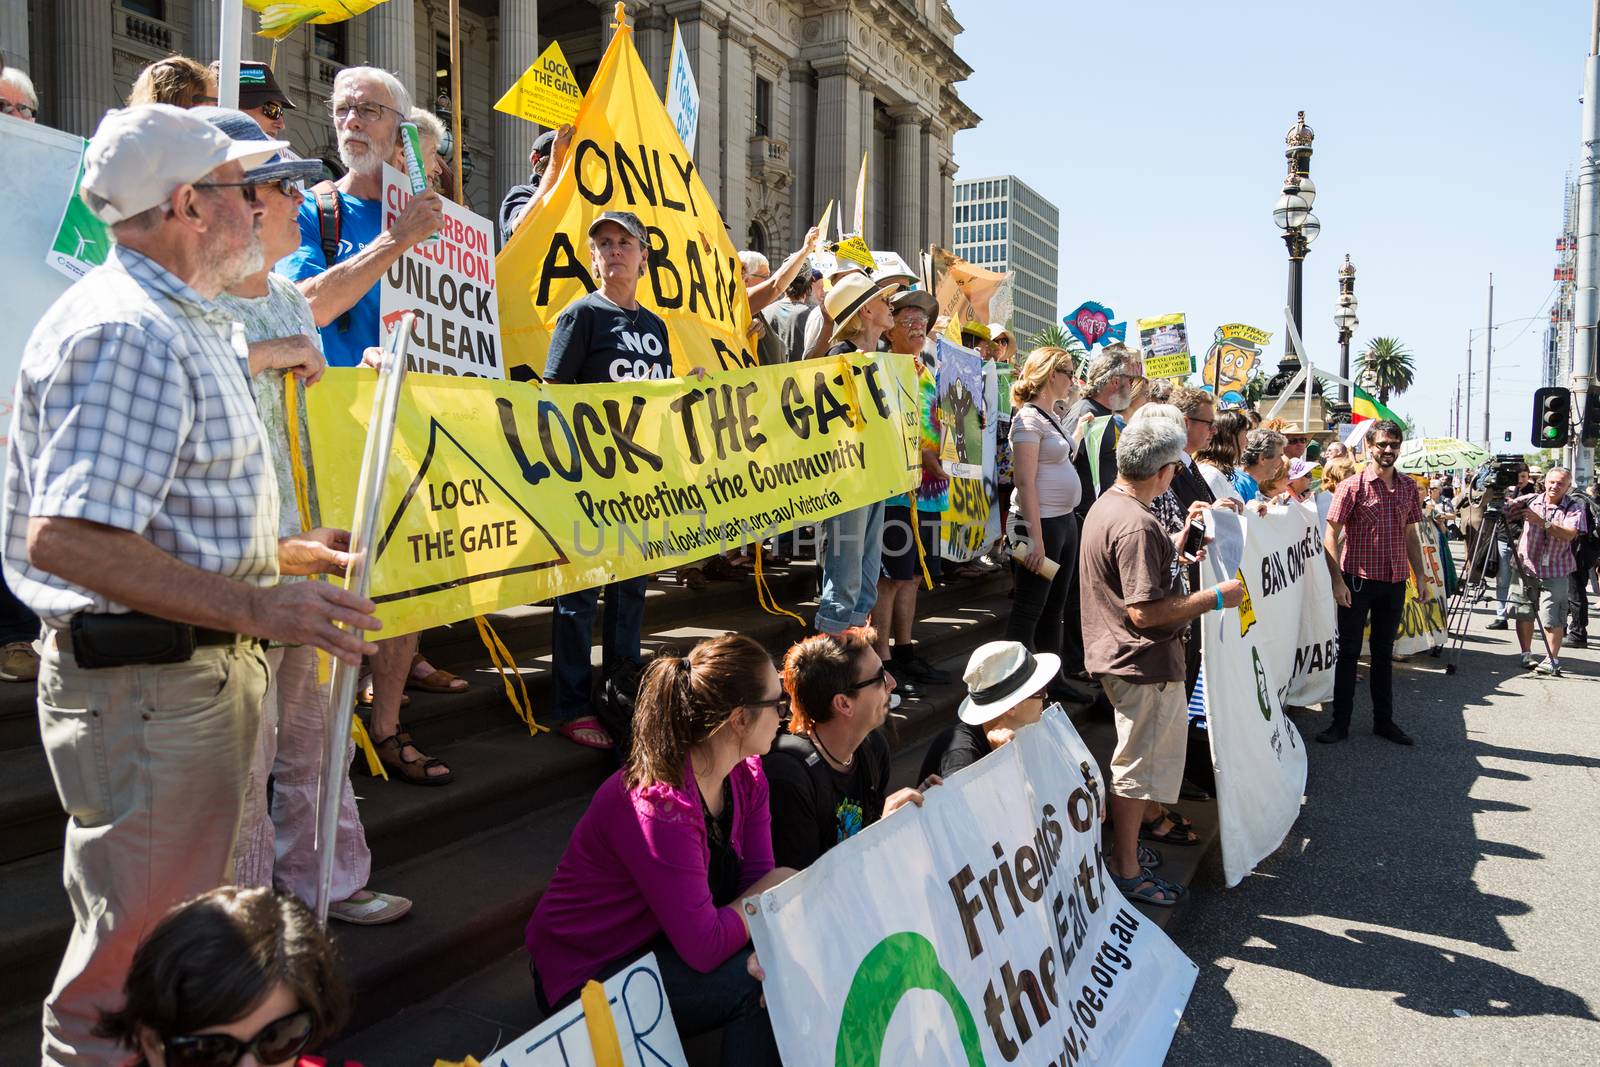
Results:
x,y
154,531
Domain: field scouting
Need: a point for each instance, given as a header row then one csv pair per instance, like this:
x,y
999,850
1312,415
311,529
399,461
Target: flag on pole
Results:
x,y
861,198
1364,406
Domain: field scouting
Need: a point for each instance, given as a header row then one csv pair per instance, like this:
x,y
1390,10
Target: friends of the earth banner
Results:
x,y
981,928
626,155
1275,649
503,493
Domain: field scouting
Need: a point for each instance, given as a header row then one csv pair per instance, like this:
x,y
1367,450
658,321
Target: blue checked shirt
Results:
x,y
134,410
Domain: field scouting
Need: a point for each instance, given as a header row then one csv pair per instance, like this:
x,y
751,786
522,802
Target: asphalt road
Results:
x,y
1432,905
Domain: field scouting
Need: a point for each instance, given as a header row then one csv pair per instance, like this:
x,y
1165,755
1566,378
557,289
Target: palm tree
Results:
x,y
1388,363
1057,336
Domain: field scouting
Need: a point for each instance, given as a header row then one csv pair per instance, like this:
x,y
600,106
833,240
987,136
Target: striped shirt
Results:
x,y
134,410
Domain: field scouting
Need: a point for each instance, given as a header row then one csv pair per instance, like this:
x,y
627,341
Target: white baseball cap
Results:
x,y
139,155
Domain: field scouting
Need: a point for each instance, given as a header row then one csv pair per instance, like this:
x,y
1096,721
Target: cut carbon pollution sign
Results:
x,y
1004,941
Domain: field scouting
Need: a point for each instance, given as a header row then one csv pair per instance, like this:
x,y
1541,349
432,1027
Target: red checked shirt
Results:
x,y
1375,518
1549,557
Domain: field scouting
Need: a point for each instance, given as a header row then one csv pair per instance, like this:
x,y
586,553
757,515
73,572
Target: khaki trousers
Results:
x,y
151,765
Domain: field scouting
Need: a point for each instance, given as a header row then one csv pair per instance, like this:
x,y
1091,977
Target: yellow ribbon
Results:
x,y
764,596
500,658
603,1042
302,497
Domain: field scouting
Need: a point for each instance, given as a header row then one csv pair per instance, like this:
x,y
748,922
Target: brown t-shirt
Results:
x,y
1127,559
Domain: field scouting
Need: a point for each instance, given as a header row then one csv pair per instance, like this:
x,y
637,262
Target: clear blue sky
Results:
x,y
1444,133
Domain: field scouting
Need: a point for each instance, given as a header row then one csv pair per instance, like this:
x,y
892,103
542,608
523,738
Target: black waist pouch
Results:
x,y
129,640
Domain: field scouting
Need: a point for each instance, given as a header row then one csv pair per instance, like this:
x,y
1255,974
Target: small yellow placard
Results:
x,y
855,250
547,93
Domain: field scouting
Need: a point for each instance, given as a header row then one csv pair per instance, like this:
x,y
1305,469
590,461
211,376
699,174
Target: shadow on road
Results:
x,y
1387,838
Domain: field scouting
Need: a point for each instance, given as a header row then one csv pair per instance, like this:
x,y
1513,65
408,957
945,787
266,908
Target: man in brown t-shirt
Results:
x,y
1133,615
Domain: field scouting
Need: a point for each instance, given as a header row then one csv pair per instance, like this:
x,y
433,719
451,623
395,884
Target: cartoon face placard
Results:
x,y
1232,357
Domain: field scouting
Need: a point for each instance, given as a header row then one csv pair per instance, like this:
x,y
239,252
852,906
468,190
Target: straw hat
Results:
x,y
999,676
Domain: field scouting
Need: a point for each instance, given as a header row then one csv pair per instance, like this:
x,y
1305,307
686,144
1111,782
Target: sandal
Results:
x,y
1149,858
375,910
1180,821
1146,888
437,681
364,697
1177,835
391,750
587,732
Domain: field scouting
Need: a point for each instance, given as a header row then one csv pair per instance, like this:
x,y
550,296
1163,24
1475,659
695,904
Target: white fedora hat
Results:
x,y
1001,675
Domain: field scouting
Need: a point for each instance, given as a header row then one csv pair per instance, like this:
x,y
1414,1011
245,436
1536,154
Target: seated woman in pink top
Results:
x,y
669,847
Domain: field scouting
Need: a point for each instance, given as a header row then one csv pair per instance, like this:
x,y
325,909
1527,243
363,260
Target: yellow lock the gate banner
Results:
x,y
626,155
504,493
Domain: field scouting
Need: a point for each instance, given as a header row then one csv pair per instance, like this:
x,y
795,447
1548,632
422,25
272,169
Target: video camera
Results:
x,y
1501,476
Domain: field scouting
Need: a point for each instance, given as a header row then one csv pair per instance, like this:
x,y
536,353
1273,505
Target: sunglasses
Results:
x,y
272,110
780,704
876,679
246,189
280,1040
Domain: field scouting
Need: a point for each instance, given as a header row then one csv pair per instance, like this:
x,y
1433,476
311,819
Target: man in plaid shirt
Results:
x,y
1544,563
1375,514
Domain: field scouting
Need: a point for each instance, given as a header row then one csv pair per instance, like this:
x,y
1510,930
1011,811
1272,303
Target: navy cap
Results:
x,y
241,127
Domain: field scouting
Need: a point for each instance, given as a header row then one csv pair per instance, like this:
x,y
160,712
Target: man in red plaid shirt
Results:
x,y
1543,563
1377,513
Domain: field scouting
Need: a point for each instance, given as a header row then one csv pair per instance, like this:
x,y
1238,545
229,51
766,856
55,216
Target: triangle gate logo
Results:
x,y
457,524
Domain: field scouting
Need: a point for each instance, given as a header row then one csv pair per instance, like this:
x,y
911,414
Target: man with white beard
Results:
x,y
343,254
141,526
344,249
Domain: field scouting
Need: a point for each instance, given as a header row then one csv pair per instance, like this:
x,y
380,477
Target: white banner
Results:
x,y
40,172
981,928
639,1011
1422,622
1277,648
683,94
449,283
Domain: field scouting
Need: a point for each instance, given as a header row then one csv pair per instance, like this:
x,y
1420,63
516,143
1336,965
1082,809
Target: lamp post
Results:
x,y
1292,213
1344,319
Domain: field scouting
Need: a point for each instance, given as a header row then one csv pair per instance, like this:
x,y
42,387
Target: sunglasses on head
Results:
x,y
280,1040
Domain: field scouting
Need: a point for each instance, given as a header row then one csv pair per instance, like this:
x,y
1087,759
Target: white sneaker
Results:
x,y
375,910
1549,668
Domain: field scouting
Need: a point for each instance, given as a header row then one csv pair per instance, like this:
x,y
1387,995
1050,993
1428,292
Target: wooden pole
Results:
x,y
455,96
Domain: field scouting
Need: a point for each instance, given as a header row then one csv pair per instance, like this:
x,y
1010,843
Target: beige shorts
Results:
x,y
1152,738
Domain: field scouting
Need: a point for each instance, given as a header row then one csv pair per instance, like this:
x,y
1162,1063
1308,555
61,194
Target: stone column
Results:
x,y
516,47
838,140
14,36
947,174
702,33
392,43
869,217
205,34
83,84
908,182
804,211
652,34
737,104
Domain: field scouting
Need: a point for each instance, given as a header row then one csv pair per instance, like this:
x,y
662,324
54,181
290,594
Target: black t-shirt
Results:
x,y
814,807
724,868
956,747
597,341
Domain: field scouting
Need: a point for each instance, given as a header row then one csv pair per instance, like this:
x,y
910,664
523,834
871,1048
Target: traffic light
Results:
x,y
1589,432
1552,417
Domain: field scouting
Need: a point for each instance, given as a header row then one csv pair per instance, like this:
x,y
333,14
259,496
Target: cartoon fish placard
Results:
x,y
1091,324
279,18
1234,352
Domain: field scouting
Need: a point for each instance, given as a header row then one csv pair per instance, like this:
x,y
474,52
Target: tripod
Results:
x,y
1476,579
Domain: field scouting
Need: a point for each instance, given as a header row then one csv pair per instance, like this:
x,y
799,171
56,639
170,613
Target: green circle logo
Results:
x,y
895,966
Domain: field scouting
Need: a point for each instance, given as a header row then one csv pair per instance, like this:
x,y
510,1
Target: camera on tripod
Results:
x,y
1503,472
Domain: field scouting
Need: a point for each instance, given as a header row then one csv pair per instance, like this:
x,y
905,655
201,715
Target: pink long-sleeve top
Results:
x,y
635,868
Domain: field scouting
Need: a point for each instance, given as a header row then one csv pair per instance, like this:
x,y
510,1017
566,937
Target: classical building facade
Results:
x,y
1001,223
791,93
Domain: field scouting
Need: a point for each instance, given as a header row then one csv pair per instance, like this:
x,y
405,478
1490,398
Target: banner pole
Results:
x,y
364,525
232,13
455,96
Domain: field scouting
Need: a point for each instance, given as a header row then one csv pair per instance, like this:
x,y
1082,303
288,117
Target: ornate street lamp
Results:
x,y
1292,212
1344,319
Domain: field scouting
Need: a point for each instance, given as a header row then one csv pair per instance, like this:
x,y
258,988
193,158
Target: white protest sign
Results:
x,y
981,928
1276,648
639,1010
450,284
1422,621
683,95
38,178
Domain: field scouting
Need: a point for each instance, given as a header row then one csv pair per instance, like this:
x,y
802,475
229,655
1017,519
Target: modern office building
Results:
x,y
792,93
1002,224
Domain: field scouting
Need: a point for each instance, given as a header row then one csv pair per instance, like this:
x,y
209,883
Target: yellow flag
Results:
x,y
861,198
547,93
627,156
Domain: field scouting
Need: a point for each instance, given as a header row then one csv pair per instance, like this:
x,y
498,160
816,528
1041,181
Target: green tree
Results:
x,y
1058,336
1387,364
1255,388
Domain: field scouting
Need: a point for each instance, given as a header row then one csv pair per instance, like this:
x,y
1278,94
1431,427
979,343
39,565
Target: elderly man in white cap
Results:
x,y
141,525
1006,690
